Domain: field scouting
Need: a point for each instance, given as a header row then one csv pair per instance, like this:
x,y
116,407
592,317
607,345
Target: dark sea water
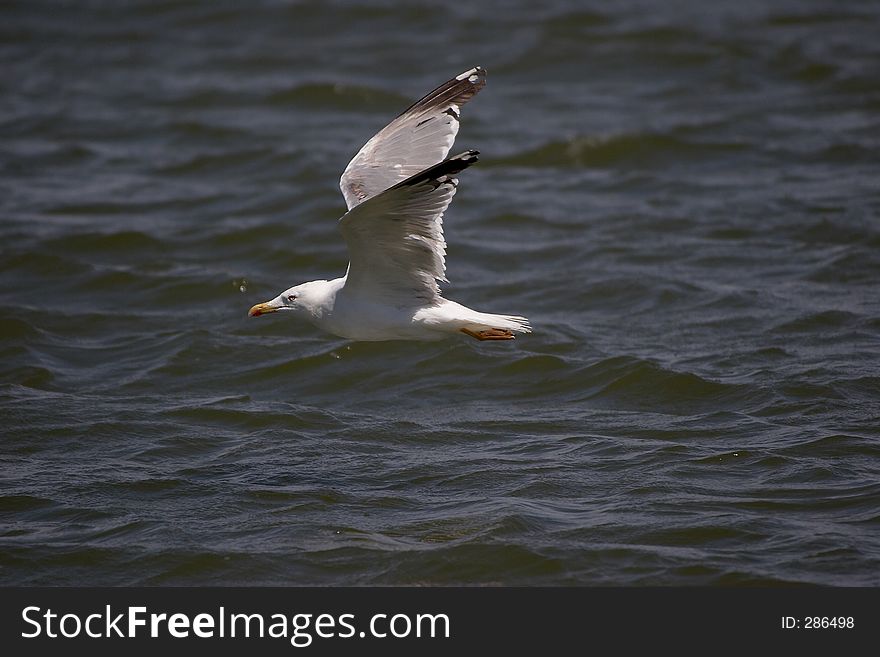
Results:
x,y
684,198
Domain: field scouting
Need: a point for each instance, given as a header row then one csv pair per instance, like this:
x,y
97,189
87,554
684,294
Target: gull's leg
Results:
x,y
489,334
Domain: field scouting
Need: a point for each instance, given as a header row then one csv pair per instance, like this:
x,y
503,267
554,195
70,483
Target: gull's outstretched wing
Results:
x,y
419,137
395,239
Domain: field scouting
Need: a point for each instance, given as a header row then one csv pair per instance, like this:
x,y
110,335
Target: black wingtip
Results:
x,y
454,164
448,167
475,75
469,156
458,90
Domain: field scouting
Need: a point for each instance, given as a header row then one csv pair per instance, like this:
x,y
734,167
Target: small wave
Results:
x,y
338,96
142,486
643,384
794,62
262,234
205,98
636,294
201,130
627,149
847,153
303,365
253,420
736,233
740,456
468,563
23,503
35,264
657,36
820,321
30,376
216,161
628,383
181,566
12,328
835,446
854,267
92,242
811,18
112,279
123,532
695,536
575,21
829,231
534,365
801,496
134,208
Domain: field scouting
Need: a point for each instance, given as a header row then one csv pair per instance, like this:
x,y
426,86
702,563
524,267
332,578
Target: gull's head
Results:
x,y
301,297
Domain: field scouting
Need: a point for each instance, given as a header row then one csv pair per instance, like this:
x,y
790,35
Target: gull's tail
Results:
x,y
451,317
485,326
513,323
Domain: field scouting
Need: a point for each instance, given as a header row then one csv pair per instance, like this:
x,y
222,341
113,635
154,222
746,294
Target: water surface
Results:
x,y
683,199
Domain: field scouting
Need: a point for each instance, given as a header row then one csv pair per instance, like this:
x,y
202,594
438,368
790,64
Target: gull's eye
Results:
x,y
291,298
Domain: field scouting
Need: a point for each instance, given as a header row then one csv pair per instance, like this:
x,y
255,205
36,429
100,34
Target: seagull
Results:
x,y
397,188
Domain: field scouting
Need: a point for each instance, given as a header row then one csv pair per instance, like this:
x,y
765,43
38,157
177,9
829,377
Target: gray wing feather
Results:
x,y
395,239
420,136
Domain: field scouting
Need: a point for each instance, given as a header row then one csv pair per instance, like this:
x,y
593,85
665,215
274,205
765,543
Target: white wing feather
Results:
x,y
418,138
395,239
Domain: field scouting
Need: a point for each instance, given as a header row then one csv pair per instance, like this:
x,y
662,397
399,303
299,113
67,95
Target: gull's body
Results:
x,y
397,188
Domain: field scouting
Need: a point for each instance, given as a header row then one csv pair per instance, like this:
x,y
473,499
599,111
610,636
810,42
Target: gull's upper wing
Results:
x,y
421,136
395,239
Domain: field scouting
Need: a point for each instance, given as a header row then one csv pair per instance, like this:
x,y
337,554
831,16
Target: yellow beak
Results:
x,y
261,309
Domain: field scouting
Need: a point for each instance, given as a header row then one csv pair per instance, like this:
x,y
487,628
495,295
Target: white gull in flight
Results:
x,y
397,188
